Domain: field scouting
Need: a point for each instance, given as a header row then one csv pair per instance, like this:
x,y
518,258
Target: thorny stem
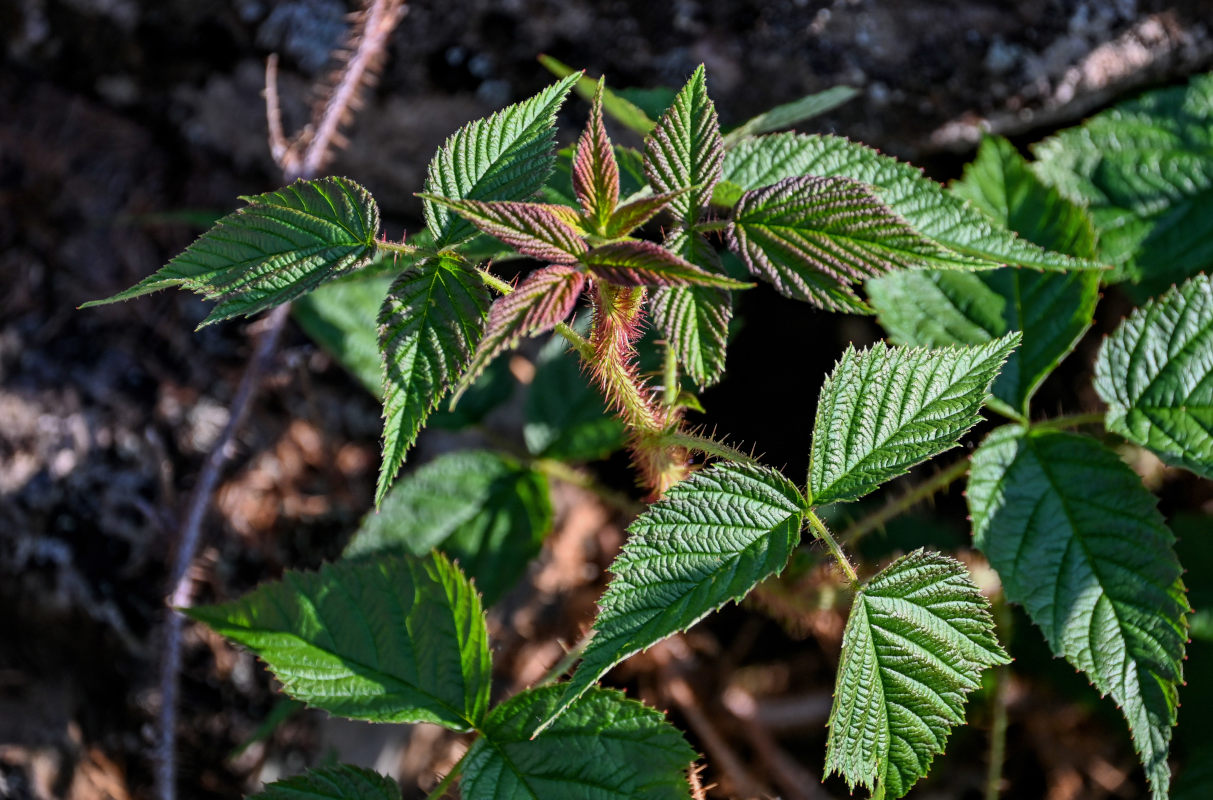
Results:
x,y
702,444
895,508
380,19
670,377
397,247
714,225
823,533
447,781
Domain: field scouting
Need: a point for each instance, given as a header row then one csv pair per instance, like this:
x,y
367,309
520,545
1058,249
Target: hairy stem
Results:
x,y
616,328
670,377
397,247
823,533
702,444
895,508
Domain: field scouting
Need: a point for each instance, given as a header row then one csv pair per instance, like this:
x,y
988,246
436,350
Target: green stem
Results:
x,y
714,225
563,472
823,533
1069,421
670,377
566,663
397,247
447,781
702,444
895,508
493,282
579,342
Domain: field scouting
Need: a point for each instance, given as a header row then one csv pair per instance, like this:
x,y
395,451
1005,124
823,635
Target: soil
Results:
x,y
125,125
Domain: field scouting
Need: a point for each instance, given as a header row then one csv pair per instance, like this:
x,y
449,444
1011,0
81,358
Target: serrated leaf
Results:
x,y
709,541
685,150
507,156
1145,171
812,238
885,409
566,418
533,229
432,318
341,782
1053,310
1155,372
615,104
281,245
695,319
397,639
916,642
1078,541
605,747
486,510
943,218
639,263
632,215
789,114
595,173
546,297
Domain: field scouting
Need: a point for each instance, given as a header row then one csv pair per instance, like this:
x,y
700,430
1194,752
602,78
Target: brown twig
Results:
x,y
316,142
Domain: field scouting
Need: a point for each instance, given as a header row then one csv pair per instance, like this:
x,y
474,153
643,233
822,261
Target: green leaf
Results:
x,y
486,510
885,409
282,245
546,297
1053,310
944,218
632,215
709,541
1145,171
1155,372
432,318
605,747
615,104
532,229
341,782
639,263
814,237
340,317
695,319
685,150
917,640
397,639
789,114
507,156
595,172
566,418
1078,541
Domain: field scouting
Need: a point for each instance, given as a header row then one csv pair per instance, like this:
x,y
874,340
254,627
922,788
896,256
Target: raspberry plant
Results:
x,y
983,288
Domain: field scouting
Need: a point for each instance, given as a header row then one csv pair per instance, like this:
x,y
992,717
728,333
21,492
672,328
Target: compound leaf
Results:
x,y
546,297
604,747
532,229
944,218
1078,541
685,151
281,245
1155,372
397,639
709,541
341,782
1145,171
1053,310
432,318
641,263
814,237
485,510
918,637
885,409
506,156
695,319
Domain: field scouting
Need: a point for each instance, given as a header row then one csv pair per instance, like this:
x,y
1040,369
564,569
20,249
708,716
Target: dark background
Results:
x,y
125,125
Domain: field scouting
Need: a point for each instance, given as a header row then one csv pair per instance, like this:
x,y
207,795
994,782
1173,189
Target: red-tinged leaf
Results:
x,y
638,263
532,229
631,216
545,298
595,171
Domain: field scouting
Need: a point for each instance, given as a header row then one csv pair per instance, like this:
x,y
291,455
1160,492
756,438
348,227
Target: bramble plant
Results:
x,y
983,288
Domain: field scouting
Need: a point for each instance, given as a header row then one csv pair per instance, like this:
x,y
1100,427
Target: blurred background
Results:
x,y
126,127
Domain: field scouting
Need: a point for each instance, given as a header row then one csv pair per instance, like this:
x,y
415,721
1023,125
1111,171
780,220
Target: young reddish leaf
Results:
x,y
532,229
595,171
637,263
546,297
685,150
631,216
